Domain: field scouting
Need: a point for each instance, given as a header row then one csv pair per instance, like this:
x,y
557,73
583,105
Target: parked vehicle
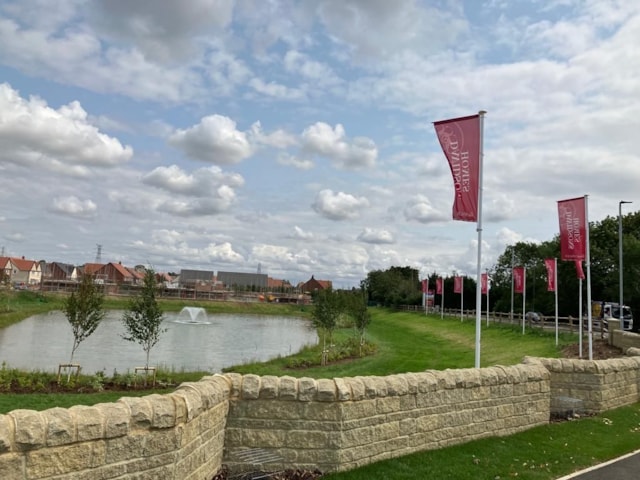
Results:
x,y
603,311
534,317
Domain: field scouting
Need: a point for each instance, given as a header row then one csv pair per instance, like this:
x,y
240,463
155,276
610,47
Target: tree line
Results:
x,y
402,285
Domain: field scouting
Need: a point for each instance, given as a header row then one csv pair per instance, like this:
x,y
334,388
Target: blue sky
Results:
x,y
296,136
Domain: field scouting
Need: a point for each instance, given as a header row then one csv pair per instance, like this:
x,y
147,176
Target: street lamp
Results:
x,y
620,309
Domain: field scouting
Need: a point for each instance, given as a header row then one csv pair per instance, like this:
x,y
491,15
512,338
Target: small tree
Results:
x,y
143,318
84,311
327,308
360,313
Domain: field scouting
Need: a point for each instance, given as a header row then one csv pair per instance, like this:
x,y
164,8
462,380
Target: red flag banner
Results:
x,y
518,279
579,271
484,283
460,142
439,286
424,286
550,263
457,284
573,228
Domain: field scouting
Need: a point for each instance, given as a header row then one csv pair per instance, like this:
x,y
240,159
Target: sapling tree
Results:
x,y
327,308
84,311
357,307
143,319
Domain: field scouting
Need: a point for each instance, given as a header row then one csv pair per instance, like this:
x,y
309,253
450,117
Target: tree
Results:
x,y
84,311
357,308
327,308
143,318
394,286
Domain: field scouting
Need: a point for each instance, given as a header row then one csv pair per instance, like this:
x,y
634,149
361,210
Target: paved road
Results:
x,y
626,467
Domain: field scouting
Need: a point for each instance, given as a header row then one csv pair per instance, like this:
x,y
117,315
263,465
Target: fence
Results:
x,y
565,324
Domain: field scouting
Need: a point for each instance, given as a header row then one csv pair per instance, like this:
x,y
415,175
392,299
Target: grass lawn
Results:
x,y
410,342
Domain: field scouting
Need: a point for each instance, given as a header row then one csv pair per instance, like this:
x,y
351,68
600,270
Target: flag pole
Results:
x,y
588,262
555,287
461,298
524,295
580,325
442,301
481,114
487,297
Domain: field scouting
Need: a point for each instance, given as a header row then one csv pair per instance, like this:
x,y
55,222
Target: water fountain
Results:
x,y
197,315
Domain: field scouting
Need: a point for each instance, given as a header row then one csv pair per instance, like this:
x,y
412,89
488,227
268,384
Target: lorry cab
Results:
x,y
606,310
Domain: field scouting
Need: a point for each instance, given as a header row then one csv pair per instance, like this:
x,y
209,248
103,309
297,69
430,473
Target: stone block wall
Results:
x,y
250,422
343,423
592,386
623,339
177,436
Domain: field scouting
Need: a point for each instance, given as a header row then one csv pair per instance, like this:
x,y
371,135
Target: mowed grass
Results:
x,y
413,342
541,453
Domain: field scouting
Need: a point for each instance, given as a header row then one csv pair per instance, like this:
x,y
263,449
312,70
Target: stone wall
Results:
x,y
624,340
272,423
591,386
343,423
176,436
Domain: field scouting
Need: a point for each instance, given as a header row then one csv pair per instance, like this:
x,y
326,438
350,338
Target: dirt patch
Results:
x,y
600,348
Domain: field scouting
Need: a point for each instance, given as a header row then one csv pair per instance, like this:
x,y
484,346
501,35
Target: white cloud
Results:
x,y
292,161
376,236
339,206
215,140
34,135
420,210
72,206
301,234
202,182
321,139
165,31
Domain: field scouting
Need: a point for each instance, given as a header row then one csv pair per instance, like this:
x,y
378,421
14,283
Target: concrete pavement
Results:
x,y
626,467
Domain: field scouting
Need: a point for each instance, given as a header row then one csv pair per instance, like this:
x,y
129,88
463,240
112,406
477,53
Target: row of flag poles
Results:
x,y
461,140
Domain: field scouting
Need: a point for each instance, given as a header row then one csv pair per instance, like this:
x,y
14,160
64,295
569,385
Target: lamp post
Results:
x,y
620,309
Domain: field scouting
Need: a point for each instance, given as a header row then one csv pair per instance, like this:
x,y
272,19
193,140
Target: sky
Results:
x,y
295,138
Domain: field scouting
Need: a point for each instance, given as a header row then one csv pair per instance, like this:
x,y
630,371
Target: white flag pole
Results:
x,y
481,114
487,298
588,262
461,298
580,325
555,287
524,295
442,300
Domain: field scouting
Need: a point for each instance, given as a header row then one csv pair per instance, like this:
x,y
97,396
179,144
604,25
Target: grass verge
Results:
x,y
542,453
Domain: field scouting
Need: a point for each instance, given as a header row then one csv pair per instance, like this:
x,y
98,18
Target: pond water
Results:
x,y
41,342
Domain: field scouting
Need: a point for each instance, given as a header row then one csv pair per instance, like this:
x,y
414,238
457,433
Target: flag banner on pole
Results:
x,y
484,283
460,142
579,270
439,286
573,228
550,263
518,279
457,284
424,286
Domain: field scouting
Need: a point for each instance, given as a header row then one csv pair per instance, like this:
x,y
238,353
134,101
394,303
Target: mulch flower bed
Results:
x,y
289,474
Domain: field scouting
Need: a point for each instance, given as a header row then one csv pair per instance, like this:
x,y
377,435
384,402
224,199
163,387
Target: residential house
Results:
x,y
59,271
20,271
114,273
312,285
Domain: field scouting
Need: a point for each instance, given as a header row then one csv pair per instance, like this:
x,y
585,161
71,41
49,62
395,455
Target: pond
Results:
x,y
41,342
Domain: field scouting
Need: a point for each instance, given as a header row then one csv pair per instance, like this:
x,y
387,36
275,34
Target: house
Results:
x,y
312,285
59,271
114,273
20,271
